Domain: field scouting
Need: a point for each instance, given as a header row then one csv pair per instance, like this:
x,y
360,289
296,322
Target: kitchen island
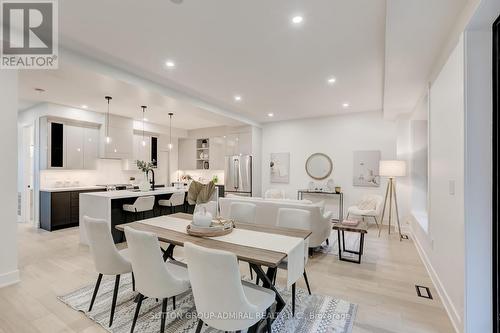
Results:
x,y
108,206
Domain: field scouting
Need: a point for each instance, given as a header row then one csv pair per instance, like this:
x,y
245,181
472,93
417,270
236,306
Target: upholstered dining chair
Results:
x,y
214,273
175,200
295,219
243,212
154,277
369,206
107,259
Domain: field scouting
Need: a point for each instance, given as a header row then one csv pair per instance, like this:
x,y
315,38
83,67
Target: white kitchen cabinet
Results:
x,y
231,144
187,154
217,153
90,147
142,152
121,145
74,147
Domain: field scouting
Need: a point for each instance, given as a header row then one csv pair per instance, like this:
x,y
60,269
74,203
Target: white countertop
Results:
x,y
72,188
133,194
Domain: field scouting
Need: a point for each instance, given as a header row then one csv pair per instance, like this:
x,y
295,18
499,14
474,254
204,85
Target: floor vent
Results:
x,y
423,292
404,236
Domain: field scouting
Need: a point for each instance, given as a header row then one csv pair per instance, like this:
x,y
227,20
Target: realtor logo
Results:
x,y
29,34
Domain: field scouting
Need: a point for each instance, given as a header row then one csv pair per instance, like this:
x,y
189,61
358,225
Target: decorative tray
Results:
x,y
218,228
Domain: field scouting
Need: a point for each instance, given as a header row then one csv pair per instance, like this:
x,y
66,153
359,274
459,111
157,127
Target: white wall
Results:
x,y
442,248
478,186
8,214
336,136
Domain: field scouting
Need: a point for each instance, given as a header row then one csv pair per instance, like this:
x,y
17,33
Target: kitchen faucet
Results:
x,y
152,182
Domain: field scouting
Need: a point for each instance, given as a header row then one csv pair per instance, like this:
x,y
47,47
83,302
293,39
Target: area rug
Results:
x,y
313,313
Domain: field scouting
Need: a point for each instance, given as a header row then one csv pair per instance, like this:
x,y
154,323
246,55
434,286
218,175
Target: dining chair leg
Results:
x,y
200,326
293,300
268,320
137,309
163,314
307,282
115,295
173,301
97,284
327,241
251,273
133,282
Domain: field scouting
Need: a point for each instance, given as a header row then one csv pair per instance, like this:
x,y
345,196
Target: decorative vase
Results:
x,y
145,186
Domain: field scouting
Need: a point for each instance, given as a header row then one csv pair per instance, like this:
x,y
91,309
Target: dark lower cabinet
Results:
x,y
59,210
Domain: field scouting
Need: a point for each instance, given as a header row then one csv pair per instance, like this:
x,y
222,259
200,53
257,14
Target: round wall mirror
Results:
x,y
319,166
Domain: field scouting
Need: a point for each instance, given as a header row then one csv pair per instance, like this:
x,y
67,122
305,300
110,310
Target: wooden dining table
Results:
x,y
256,257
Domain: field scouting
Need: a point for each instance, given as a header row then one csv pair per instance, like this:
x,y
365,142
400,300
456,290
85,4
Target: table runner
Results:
x,y
293,247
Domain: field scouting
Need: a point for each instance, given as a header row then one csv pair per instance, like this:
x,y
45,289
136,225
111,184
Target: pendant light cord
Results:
x,y
108,98
170,132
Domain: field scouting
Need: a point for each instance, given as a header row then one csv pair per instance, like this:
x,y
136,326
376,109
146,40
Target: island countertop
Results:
x,y
133,193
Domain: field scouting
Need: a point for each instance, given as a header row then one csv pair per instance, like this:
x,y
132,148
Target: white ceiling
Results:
x,y
227,47
75,87
416,34
381,57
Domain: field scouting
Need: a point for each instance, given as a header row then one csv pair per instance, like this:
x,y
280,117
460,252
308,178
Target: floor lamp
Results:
x,y
391,169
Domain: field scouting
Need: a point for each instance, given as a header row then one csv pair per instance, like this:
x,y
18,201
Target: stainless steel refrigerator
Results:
x,y
238,175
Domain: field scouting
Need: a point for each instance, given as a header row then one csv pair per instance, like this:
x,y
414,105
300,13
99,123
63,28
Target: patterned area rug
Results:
x,y
313,313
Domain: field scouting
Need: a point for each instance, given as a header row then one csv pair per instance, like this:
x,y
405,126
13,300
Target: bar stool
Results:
x,y
175,200
141,205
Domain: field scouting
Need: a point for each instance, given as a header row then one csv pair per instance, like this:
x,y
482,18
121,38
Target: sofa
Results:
x,y
267,214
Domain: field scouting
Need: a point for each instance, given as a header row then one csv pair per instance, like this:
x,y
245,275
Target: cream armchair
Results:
x,y
368,206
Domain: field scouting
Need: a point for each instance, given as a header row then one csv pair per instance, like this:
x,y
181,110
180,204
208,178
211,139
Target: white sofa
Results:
x,y
267,214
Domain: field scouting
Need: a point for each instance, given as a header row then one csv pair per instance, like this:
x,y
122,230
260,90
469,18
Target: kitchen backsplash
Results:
x,y
107,172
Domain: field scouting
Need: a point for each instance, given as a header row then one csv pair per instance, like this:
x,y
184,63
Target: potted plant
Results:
x,y
215,179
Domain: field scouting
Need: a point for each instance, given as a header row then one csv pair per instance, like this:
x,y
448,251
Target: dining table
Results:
x,y
258,258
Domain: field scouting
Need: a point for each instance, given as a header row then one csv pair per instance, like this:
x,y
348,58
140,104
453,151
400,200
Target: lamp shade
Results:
x,y
392,168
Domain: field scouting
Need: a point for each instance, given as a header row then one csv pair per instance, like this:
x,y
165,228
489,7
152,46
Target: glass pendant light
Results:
x,y
108,138
170,146
143,113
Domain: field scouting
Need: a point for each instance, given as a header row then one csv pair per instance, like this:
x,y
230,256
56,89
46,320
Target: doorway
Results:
x,y
495,194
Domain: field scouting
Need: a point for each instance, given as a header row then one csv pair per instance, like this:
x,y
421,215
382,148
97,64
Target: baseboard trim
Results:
x,y
9,278
443,295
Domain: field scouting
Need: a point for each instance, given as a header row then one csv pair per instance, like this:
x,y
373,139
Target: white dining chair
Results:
x,y
154,277
175,200
243,212
140,205
214,273
211,207
107,259
295,219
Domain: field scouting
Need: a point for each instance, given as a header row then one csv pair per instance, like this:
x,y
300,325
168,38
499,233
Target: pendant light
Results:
x,y
143,113
108,138
170,146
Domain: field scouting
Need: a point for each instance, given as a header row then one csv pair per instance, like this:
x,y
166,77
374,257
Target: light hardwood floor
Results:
x,y
383,285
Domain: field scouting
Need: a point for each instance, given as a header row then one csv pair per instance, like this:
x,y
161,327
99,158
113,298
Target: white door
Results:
x,y
26,202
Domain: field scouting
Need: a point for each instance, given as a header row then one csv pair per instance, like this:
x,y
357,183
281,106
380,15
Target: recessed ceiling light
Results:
x,y
170,64
297,19
331,80
237,98
270,114
85,106
346,105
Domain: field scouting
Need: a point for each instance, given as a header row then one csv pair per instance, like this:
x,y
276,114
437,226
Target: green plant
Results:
x,y
215,179
144,166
